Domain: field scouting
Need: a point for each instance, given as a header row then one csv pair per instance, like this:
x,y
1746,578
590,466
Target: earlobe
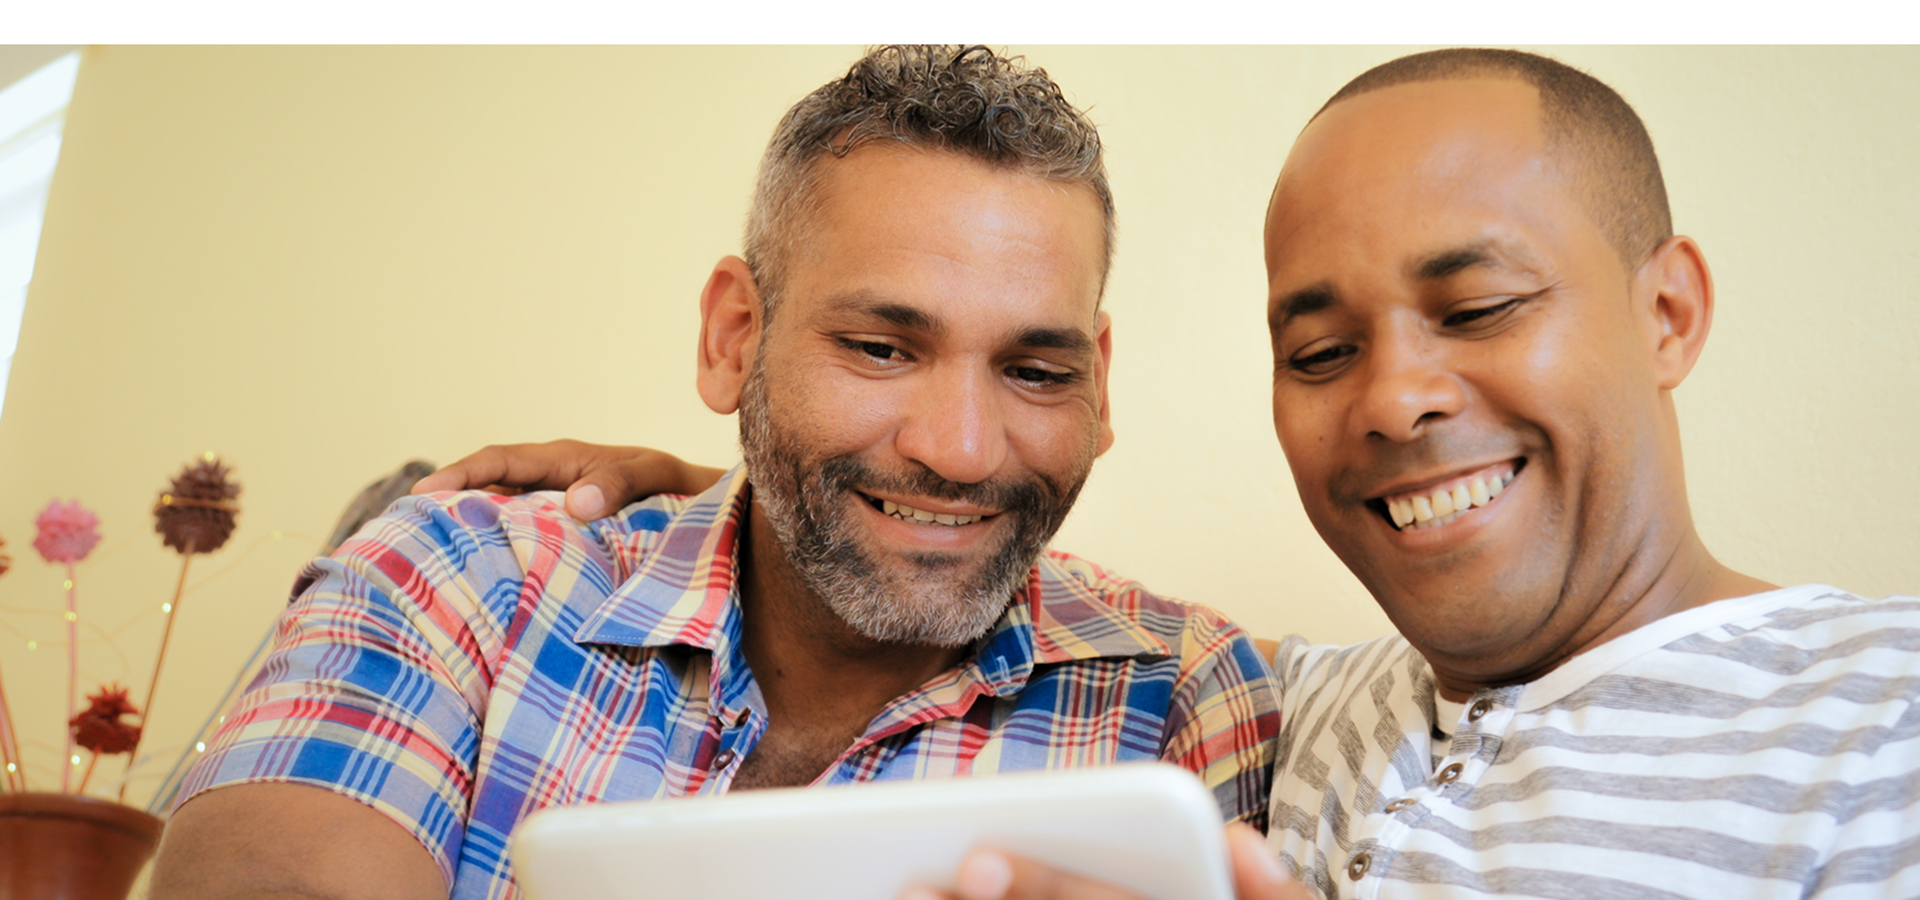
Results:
x,y
730,326
1103,325
1680,288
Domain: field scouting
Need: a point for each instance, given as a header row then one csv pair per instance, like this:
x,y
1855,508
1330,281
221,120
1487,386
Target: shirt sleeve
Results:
x,y
377,684
1225,717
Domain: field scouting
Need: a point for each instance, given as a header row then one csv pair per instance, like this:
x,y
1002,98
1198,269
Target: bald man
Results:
x,y
1479,313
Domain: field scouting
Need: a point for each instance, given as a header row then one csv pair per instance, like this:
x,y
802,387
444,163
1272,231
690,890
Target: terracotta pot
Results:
x,y
67,847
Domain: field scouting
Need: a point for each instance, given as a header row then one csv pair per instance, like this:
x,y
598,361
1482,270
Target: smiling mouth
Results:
x,y
1440,504
907,513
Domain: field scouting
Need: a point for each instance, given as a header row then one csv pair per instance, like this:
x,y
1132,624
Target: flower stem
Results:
x,y
9,747
73,679
89,776
153,684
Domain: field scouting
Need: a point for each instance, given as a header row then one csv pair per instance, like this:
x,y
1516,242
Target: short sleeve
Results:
x,y
377,683
1225,717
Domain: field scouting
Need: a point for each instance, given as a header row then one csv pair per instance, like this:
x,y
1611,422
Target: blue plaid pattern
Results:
x,y
470,658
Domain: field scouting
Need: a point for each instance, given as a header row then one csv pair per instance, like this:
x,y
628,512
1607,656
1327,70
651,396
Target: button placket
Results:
x,y
737,736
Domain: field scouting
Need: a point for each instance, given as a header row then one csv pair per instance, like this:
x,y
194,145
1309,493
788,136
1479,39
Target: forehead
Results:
x,y
949,234
1385,178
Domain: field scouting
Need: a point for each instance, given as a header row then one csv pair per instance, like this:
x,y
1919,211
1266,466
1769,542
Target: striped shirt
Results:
x,y
1764,746
469,658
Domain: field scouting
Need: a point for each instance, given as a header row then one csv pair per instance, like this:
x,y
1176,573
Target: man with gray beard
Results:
x,y
915,344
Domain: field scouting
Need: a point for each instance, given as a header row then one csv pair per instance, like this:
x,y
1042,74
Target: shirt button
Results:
x,y
1480,708
1400,804
723,759
1448,774
740,721
1357,867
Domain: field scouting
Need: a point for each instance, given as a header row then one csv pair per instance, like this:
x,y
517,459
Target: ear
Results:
x,y
1678,292
1103,323
729,333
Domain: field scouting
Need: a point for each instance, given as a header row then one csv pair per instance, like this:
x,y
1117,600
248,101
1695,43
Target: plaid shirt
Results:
x,y
470,658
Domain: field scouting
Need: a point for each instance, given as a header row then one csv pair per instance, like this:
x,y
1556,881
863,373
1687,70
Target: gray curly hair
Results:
x,y
965,100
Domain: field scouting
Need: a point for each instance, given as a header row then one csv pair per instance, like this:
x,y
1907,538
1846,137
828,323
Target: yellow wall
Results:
x,y
320,262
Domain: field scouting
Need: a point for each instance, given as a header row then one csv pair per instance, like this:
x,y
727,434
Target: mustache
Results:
x,y
1040,493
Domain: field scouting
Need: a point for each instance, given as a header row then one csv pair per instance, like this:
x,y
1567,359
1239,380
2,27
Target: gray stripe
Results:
x,y
1801,737
1654,695
1316,876
1866,865
1696,845
1840,605
1768,654
1428,868
1836,799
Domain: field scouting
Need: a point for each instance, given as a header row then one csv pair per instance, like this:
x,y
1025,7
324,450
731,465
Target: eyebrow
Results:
x,y
1068,339
1303,302
1448,263
896,314
901,315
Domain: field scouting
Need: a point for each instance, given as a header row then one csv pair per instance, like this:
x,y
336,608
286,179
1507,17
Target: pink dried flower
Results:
x,y
67,532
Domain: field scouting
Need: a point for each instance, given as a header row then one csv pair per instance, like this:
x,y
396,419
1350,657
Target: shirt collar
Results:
x,y
1060,617
682,592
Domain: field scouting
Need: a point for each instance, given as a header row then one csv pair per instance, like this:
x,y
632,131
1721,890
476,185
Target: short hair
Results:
x,y
1616,174
965,100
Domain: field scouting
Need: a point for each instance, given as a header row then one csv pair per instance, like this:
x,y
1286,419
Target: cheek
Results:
x,y
1307,425
1055,437
833,410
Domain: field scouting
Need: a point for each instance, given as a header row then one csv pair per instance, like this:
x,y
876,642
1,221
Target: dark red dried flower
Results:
x,y
99,727
196,513
6,562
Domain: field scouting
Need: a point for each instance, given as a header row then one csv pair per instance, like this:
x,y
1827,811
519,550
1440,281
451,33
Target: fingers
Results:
x,y
617,476
598,479
549,466
586,501
1257,873
993,875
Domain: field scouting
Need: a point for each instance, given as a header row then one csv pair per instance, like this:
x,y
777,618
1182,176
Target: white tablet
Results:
x,y
1151,828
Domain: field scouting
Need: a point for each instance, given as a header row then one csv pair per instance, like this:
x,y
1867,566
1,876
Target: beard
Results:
x,y
926,598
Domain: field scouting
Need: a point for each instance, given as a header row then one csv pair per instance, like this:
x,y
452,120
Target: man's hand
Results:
x,y
993,875
598,479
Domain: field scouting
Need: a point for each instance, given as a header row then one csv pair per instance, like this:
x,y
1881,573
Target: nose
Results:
x,y
1407,390
956,426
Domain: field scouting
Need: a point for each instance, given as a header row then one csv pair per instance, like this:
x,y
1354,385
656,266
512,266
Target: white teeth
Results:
x,y
907,513
1440,507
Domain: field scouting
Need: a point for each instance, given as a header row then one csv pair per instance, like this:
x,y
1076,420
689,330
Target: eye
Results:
x,y
1039,377
1321,358
1482,316
878,351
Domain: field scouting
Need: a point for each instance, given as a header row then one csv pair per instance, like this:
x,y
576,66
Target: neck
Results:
x,y
810,665
1648,588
